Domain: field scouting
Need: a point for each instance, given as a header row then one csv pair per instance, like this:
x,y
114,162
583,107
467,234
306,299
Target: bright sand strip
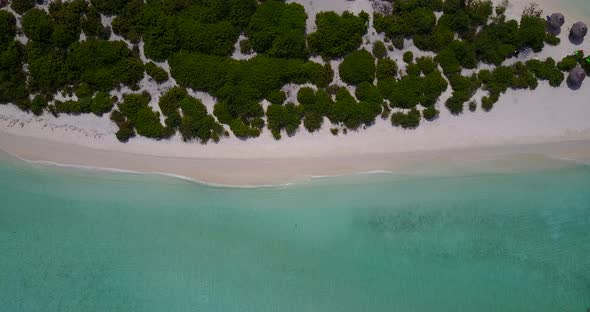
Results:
x,y
520,118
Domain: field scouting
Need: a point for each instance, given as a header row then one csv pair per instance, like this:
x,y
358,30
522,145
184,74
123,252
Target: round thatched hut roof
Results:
x,y
579,30
556,20
576,77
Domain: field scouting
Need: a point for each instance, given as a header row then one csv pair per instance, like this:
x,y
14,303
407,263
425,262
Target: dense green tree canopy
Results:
x,y
278,29
8,27
21,6
337,35
38,25
357,67
157,73
110,7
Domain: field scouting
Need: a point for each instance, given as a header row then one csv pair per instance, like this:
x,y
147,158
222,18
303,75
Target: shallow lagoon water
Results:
x,y
80,240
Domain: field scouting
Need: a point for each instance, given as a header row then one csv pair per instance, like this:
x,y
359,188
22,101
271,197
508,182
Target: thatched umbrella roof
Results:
x,y
556,20
576,77
579,30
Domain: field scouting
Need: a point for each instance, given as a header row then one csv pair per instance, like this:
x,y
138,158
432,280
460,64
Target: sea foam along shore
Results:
x,y
520,117
257,172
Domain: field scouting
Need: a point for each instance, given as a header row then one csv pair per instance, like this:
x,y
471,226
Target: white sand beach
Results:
x,y
531,122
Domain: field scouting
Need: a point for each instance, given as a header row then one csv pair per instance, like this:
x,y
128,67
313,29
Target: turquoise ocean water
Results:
x,y
78,240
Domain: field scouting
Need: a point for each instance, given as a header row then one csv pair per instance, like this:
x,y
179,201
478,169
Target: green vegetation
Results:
x,y
245,47
430,113
463,89
472,106
142,118
336,35
567,63
409,120
386,68
284,117
357,67
8,26
276,97
423,84
198,37
352,114
38,104
241,85
278,29
379,50
13,86
21,6
157,73
408,57
194,124
316,105
109,7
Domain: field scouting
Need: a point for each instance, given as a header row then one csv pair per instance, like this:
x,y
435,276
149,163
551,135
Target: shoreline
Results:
x,y
521,119
253,173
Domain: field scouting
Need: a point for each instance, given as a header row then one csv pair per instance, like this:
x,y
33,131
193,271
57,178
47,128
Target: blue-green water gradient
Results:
x,y
78,240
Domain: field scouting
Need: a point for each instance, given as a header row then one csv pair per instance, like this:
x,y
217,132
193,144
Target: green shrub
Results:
x,y
315,106
353,114
169,104
410,120
532,31
379,50
306,96
546,70
92,25
337,35
357,67
146,122
117,117
128,23
567,63
398,42
277,29
102,103
472,106
552,39
125,132
245,47
157,73
71,107
433,85
277,97
430,113
386,111
8,26
487,103
313,121
368,92
317,74
84,90
386,68
405,93
408,57
22,6
413,70
426,64
38,25
110,7
38,104
197,124
284,117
